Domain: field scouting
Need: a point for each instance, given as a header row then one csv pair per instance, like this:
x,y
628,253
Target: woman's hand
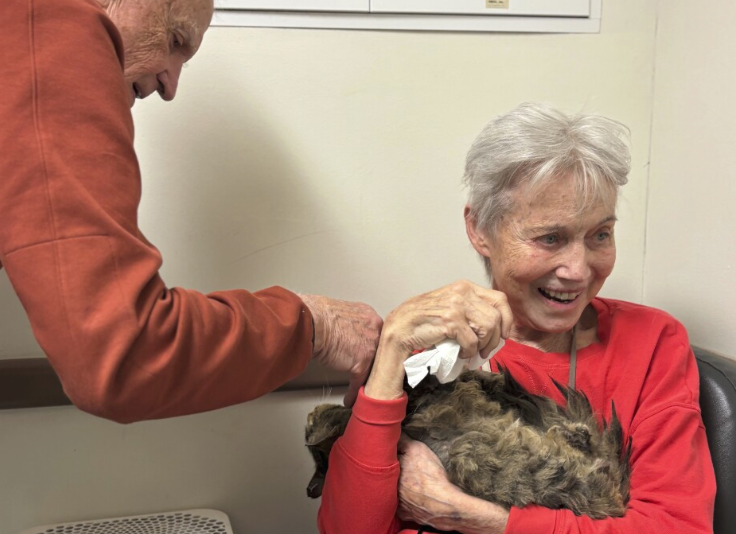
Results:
x,y
427,497
476,317
424,490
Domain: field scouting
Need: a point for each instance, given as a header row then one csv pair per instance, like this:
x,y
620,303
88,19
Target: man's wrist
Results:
x,y
313,304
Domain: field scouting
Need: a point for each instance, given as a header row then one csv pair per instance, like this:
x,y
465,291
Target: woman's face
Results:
x,y
549,257
159,36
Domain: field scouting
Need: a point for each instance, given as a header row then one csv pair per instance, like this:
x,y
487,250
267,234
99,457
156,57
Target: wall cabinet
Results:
x,y
551,16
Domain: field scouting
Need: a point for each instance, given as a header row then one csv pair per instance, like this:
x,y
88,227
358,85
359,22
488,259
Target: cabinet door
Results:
x,y
295,5
540,8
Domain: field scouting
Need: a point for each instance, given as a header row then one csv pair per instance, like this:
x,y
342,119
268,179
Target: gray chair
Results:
x,y
718,407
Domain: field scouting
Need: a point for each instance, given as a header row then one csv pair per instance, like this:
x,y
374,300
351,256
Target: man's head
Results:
x,y
159,36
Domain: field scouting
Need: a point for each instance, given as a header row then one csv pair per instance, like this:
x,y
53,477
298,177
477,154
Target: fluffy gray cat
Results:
x,y
503,444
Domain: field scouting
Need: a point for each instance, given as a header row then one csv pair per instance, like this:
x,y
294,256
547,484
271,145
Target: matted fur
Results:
x,y
501,443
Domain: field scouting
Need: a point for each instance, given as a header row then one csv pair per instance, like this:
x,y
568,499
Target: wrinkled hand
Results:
x,y
427,497
345,337
476,317
425,493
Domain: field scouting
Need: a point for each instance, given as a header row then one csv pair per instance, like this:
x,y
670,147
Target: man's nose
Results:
x,y
168,79
574,265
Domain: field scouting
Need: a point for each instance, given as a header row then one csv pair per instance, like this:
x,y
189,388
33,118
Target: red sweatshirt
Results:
x,y
643,362
124,345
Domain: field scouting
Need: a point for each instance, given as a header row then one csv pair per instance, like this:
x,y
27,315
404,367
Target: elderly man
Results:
x,y
125,345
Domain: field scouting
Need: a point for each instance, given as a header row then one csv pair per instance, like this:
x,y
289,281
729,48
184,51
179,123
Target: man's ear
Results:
x,y
477,236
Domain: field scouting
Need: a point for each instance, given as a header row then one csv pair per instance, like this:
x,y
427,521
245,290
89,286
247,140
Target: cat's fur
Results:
x,y
503,444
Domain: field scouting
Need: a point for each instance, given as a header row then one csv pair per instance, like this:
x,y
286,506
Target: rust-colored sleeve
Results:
x,y
125,346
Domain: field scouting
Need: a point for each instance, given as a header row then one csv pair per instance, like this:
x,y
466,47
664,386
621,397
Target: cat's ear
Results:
x,y
319,435
326,423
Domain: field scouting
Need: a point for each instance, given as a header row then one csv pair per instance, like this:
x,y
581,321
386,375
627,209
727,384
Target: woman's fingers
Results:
x,y
507,317
492,299
477,318
491,318
494,339
468,340
404,443
486,323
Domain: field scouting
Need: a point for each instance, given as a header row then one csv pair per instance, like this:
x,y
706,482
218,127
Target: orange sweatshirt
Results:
x,y
125,346
642,362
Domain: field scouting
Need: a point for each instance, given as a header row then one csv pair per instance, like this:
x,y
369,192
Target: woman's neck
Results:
x,y
586,333
543,341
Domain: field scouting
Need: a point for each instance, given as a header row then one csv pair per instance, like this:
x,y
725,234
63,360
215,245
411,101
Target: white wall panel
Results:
x,y
518,16
545,8
296,5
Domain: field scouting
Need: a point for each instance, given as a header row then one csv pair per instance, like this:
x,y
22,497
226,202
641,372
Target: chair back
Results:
x,y
718,408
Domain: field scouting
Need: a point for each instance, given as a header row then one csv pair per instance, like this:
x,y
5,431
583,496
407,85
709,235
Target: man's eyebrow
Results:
x,y
191,34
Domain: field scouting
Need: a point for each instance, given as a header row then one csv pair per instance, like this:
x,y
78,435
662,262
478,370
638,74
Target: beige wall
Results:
x,y
328,162
59,464
690,267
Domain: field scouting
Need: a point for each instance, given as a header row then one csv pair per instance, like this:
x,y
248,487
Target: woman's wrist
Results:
x,y
386,380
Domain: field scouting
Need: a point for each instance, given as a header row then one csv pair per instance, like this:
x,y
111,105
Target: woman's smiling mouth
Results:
x,y
559,296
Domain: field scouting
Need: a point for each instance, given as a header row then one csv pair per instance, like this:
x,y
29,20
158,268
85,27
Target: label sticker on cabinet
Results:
x,y
498,4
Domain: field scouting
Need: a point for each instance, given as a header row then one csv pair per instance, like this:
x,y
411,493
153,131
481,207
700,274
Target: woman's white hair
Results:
x,y
536,144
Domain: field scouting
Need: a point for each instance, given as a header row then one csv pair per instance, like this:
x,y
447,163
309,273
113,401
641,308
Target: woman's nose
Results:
x,y
574,265
168,79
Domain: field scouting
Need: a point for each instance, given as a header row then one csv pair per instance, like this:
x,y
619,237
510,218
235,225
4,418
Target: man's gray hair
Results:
x,y
535,144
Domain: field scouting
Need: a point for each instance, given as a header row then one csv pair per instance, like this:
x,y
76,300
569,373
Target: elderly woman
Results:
x,y
125,345
541,213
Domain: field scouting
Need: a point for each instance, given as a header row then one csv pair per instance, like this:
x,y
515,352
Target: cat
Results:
x,y
503,444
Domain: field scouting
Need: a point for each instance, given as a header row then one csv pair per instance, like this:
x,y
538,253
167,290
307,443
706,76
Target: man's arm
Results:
x,y
125,345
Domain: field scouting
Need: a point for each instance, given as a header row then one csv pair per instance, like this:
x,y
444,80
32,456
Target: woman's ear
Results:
x,y
477,236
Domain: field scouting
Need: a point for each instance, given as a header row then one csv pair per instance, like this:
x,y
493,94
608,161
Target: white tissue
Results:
x,y
443,362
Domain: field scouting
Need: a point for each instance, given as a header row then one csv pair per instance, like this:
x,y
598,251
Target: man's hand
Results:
x,y
345,338
427,497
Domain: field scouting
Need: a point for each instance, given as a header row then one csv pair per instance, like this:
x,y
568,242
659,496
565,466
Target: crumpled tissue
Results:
x,y
443,362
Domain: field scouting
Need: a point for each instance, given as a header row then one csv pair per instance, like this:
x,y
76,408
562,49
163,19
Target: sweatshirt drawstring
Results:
x,y
573,359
